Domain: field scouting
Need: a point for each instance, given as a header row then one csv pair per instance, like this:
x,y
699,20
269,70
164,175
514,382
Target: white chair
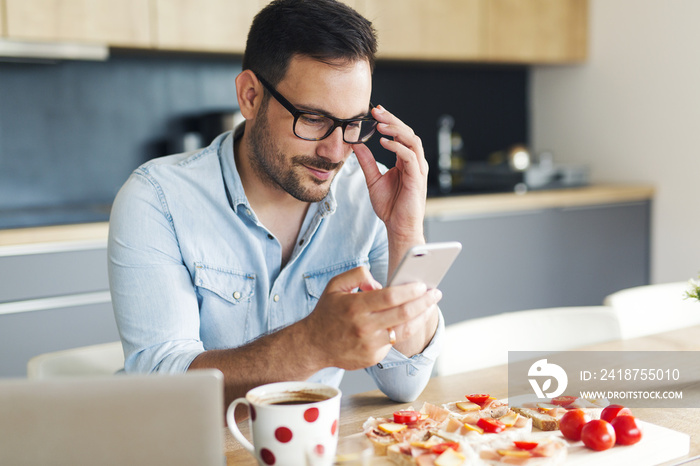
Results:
x,y
644,310
103,359
485,342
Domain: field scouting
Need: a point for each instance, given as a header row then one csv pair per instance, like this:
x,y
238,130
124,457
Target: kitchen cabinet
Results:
x,y
600,249
551,257
125,23
416,29
60,273
502,31
536,31
24,335
508,31
205,25
52,299
2,18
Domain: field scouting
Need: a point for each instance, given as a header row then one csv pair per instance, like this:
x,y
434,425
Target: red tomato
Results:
x,y
441,447
490,425
598,435
626,430
610,412
572,422
478,398
563,400
525,445
406,417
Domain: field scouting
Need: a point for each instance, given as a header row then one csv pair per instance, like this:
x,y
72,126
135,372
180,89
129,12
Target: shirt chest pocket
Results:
x,y
234,287
317,280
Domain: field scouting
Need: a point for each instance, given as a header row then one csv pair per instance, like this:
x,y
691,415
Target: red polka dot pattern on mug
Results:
x,y
311,414
267,456
283,434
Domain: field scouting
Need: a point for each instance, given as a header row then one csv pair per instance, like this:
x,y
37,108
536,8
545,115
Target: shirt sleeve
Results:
x,y
403,379
154,300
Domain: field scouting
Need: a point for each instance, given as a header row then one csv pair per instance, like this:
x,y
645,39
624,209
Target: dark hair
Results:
x,y
325,30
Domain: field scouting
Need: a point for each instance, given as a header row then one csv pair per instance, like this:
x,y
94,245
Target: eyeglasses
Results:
x,y
313,126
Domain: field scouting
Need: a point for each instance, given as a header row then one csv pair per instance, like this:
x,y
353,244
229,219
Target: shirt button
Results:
x,y
249,212
269,236
379,365
237,295
276,298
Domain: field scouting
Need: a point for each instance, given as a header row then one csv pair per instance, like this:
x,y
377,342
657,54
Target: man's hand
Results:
x,y
398,196
350,328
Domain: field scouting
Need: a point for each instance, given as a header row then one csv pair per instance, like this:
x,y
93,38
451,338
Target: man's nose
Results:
x,y
333,148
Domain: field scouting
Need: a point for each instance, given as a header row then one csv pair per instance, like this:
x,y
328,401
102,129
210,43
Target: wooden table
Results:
x,y
356,409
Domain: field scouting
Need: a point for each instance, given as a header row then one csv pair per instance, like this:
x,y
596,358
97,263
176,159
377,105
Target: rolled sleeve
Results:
x,y
154,302
403,379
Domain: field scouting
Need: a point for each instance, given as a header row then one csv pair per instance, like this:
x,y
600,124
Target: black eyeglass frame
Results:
x,y
296,113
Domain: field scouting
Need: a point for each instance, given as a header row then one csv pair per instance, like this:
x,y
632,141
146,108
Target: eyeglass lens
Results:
x,y
315,127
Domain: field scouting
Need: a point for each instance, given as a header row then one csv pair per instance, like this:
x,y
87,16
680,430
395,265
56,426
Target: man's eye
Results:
x,y
313,120
354,124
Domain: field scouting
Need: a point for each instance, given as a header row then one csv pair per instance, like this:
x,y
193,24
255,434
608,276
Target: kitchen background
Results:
x,y
71,132
632,112
77,129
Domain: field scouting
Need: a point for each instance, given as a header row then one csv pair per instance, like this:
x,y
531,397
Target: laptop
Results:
x,y
114,420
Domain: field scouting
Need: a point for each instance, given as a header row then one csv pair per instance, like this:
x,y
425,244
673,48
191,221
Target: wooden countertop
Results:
x,y
355,409
53,238
96,233
535,200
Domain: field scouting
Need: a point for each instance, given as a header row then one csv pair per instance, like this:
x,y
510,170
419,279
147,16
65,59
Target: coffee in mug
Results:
x,y
292,423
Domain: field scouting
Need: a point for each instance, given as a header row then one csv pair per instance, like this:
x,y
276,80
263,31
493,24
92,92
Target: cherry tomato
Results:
x,y
490,425
441,447
627,431
406,417
598,435
478,398
525,445
572,422
610,412
563,400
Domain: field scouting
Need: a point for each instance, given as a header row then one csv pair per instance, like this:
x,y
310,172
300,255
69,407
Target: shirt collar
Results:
x,y
234,187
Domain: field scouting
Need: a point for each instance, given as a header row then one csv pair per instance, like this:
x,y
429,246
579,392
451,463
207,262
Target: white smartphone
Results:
x,y
427,263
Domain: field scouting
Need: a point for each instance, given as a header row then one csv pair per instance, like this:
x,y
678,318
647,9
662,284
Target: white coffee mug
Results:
x,y
292,423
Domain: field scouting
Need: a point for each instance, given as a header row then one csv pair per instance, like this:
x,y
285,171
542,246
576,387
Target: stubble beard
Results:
x,y
280,172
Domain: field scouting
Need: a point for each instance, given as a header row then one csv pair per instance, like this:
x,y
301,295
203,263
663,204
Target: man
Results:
x,y
262,254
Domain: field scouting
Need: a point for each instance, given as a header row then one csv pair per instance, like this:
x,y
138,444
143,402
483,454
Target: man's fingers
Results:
x,y
357,278
367,163
405,143
411,165
399,310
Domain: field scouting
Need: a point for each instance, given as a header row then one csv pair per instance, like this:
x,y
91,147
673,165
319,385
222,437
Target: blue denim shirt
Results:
x,y
191,267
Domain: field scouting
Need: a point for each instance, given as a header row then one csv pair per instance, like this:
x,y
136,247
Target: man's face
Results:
x,y
305,169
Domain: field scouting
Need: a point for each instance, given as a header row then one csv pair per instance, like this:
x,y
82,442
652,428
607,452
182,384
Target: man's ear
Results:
x,y
249,92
